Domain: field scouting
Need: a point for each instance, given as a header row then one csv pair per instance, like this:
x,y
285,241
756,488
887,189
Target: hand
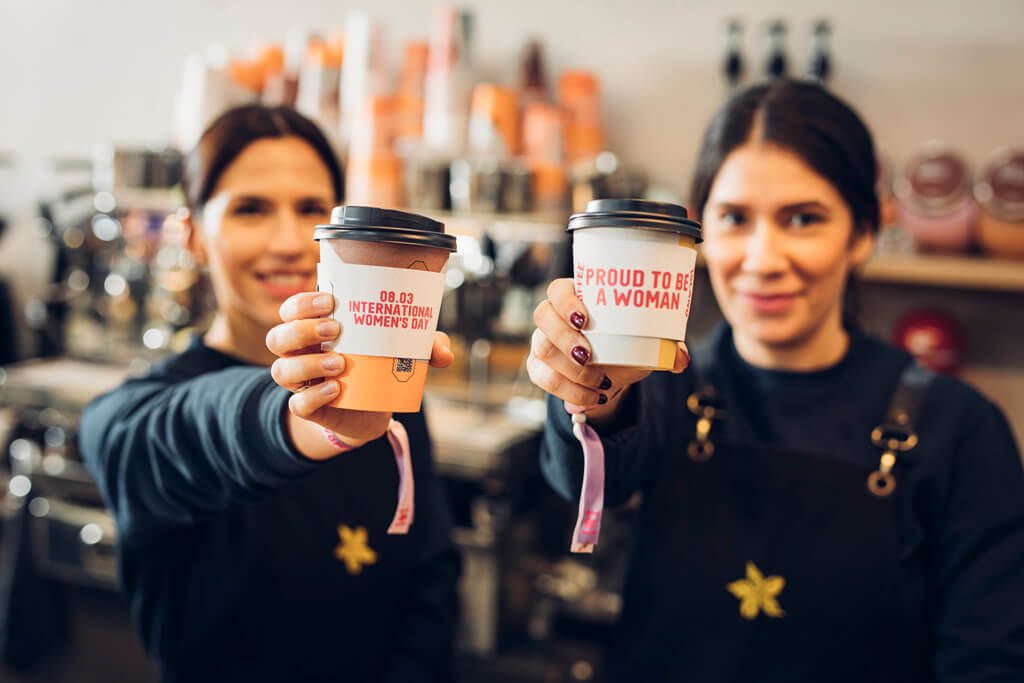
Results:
x,y
310,373
559,361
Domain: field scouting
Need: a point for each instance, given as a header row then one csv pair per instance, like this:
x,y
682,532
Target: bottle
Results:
x,y
450,78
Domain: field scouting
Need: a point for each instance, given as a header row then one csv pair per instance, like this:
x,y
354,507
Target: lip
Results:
x,y
768,303
282,284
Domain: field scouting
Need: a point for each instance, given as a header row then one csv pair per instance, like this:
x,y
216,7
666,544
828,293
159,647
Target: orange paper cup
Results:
x,y
381,241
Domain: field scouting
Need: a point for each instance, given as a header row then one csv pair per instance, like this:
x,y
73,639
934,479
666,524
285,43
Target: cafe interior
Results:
x,y
500,120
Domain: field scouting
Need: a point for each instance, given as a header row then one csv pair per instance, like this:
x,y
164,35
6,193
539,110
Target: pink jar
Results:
x,y
935,202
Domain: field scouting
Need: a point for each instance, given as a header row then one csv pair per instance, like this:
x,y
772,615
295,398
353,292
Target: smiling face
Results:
x,y
256,230
779,244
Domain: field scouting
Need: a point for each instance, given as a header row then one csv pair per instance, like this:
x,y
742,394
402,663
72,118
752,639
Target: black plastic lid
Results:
x,y
636,213
371,224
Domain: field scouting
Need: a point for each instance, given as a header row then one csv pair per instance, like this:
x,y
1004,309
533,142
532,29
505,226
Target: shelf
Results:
x,y
945,271
936,270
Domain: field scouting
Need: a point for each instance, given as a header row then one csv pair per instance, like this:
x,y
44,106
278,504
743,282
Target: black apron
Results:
x,y
755,563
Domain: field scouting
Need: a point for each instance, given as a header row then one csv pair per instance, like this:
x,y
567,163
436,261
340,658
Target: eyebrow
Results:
x,y
261,198
787,208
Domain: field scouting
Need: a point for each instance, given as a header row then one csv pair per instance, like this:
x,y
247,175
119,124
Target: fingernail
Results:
x,y
606,383
577,320
331,363
580,355
327,328
686,353
322,303
601,399
329,388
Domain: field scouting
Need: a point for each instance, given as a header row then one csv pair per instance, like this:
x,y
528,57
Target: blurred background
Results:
x,y
499,119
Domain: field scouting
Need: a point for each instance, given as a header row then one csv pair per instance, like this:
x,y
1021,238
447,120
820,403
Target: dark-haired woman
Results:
x,y
795,542
253,521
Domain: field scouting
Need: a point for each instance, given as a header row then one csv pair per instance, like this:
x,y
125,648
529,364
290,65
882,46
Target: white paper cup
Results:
x,y
633,268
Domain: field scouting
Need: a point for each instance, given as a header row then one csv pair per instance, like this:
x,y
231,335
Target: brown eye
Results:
x,y
804,219
313,210
733,218
249,209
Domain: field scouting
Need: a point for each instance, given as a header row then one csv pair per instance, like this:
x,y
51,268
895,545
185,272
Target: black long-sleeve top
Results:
x,y
966,484
244,560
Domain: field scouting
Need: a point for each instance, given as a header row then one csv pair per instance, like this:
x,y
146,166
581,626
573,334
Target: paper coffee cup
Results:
x,y
385,269
633,269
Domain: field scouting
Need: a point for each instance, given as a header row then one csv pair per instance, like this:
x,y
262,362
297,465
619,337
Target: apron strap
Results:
x,y
704,402
898,432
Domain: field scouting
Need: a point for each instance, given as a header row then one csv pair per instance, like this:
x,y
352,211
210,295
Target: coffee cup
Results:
x,y
385,270
633,269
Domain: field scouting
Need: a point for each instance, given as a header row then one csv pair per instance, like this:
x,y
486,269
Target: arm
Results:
x,y
165,453
613,397
979,558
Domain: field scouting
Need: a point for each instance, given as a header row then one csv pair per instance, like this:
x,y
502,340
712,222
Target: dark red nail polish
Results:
x,y
577,320
605,383
580,355
601,399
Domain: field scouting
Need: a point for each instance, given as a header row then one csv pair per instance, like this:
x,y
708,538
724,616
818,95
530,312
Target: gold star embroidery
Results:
x,y
353,549
758,592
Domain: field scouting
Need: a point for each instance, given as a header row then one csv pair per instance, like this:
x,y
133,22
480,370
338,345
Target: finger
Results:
x,y
562,296
292,337
305,404
306,305
441,355
586,375
682,360
567,339
557,384
293,373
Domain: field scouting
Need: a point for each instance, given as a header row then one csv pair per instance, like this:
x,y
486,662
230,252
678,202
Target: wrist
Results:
x,y
343,444
309,439
602,416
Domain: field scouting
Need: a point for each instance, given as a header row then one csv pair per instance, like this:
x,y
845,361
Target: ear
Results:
x,y
193,239
862,245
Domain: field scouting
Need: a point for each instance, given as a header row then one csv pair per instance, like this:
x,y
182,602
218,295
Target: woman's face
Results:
x,y
779,243
256,230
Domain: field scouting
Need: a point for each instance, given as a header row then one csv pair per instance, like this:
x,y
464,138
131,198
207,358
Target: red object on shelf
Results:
x,y
934,338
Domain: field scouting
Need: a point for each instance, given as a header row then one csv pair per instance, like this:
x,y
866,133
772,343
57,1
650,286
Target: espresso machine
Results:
x,y
119,287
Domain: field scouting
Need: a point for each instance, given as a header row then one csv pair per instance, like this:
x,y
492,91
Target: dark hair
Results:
x,y
236,129
811,122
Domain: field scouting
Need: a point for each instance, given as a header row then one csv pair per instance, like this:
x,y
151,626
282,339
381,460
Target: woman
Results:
x,y
248,550
786,545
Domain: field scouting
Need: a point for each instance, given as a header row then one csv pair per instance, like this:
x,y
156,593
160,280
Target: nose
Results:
x,y
764,254
293,236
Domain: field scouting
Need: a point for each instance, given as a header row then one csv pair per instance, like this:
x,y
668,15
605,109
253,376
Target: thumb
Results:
x,y
682,359
441,355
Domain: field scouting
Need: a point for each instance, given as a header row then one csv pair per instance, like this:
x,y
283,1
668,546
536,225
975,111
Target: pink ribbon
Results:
x,y
399,439
588,518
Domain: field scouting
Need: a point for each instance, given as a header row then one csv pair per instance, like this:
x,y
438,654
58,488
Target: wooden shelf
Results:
x,y
936,270
945,271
